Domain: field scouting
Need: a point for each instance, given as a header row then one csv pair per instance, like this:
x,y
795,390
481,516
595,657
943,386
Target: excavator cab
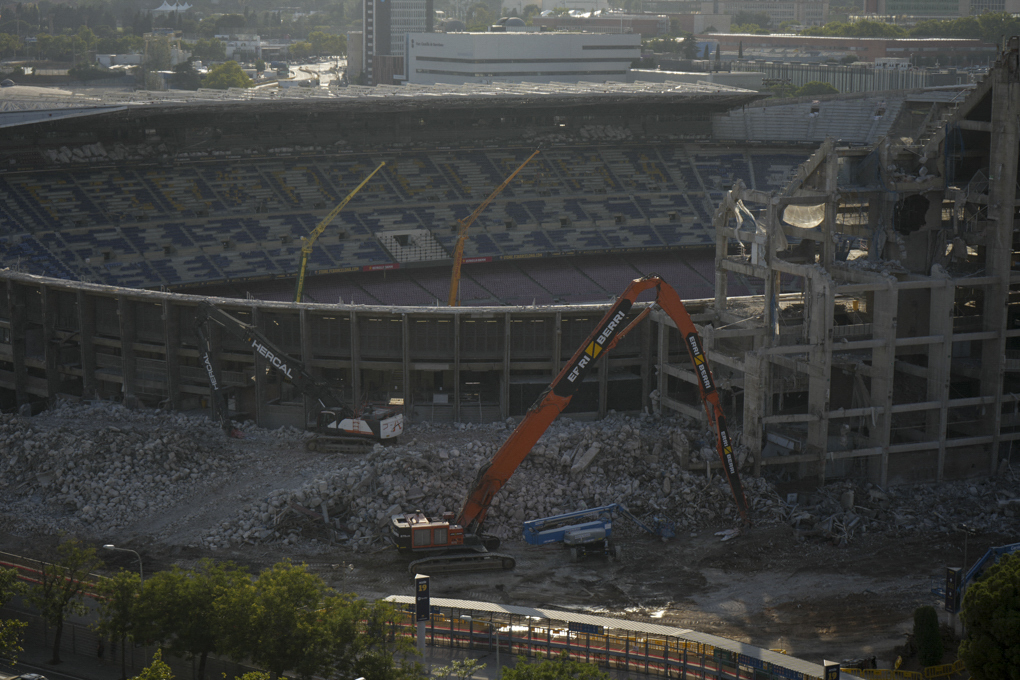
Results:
x,y
414,531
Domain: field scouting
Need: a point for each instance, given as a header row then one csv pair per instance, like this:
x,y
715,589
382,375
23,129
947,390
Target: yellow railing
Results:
x,y
941,671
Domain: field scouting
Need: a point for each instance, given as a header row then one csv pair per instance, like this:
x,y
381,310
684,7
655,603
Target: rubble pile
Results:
x,y
633,461
98,464
839,511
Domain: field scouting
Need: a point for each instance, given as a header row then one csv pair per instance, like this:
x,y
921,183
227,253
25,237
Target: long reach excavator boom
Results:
x,y
456,542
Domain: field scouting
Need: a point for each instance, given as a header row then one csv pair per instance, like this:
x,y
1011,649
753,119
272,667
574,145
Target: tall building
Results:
x,y
385,23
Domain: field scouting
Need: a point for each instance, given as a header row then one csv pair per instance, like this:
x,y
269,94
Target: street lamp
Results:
x,y
141,574
492,627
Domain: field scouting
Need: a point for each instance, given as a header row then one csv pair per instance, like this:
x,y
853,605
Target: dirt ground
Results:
x,y
766,587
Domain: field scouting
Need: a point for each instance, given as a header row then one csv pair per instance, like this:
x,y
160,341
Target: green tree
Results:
x,y
759,19
226,75
530,12
10,629
208,50
460,669
119,598
185,77
927,636
157,670
180,608
276,619
355,634
815,88
479,17
991,615
62,585
562,668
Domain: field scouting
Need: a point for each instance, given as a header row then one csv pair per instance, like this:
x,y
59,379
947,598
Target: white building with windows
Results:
x,y
515,57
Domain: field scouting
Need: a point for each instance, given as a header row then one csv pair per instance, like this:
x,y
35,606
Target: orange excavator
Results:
x,y
453,543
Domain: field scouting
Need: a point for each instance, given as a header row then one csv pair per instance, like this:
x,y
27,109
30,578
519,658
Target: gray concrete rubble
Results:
x,y
93,469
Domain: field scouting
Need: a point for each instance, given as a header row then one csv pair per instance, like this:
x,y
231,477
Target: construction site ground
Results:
x,y
766,587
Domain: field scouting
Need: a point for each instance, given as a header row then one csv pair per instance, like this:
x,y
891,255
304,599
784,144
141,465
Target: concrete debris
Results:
x,y
94,468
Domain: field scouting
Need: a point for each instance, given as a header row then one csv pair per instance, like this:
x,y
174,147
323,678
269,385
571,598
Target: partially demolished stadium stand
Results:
x,y
887,343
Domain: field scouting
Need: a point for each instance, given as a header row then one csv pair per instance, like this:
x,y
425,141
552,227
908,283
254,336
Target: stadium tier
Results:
x,y
143,225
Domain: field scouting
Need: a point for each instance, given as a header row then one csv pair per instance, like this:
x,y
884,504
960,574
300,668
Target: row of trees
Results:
x,y
283,620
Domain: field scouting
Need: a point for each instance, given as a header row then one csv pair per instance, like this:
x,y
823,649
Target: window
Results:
x,y
420,537
439,535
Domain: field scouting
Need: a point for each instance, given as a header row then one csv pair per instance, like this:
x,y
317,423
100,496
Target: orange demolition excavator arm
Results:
x,y
557,396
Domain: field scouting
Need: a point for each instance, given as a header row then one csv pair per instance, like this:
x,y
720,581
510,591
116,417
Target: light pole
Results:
x,y
492,627
141,574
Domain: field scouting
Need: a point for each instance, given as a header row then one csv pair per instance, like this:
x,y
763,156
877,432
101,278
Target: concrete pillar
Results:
x,y
647,361
355,359
883,366
87,324
754,397
260,374
940,357
128,364
557,362
172,342
19,327
1002,177
456,368
819,319
51,345
406,367
504,388
663,360
311,407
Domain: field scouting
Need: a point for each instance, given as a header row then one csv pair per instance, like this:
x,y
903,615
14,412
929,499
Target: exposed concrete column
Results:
x,y
754,396
822,293
128,364
940,357
721,250
19,328
355,359
883,367
771,314
646,362
51,346
172,342
661,383
260,373
87,327
456,368
831,207
310,408
557,361
405,376
504,388
1002,177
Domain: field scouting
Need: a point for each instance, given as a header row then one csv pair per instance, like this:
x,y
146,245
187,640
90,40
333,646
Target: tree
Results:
x,y
562,668
62,585
181,609
226,75
185,77
927,636
759,19
275,620
157,670
209,50
991,615
117,609
10,629
530,12
460,669
357,646
815,88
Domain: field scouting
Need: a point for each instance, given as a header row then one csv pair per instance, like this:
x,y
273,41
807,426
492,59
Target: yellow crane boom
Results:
x,y
458,251
308,242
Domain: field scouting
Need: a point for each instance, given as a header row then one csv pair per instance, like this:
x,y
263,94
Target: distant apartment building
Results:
x,y
803,12
385,23
515,57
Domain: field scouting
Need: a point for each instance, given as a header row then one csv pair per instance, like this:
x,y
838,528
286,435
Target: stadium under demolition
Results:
x,y
853,287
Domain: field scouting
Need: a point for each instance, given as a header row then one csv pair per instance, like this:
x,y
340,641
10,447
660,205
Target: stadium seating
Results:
x,y
221,220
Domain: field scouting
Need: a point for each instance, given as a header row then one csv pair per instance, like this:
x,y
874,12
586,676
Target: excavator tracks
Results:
x,y
451,564
339,445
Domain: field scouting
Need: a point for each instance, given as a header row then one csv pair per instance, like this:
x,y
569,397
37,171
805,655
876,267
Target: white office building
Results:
x,y
514,57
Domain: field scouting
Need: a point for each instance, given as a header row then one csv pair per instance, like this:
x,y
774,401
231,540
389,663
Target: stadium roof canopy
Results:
x,y
25,105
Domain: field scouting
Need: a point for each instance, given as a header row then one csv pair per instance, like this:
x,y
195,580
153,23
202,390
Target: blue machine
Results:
x,y
588,532
957,583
